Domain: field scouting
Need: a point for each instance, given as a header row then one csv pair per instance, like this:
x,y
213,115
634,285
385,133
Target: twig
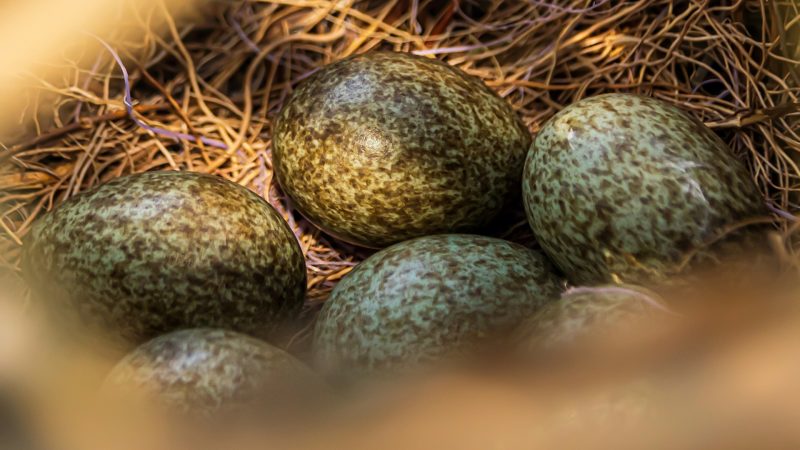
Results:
x,y
128,101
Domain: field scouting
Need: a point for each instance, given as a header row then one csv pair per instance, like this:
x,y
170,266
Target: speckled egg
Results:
x,y
382,147
207,371
619,187
420,300
586,312
149,253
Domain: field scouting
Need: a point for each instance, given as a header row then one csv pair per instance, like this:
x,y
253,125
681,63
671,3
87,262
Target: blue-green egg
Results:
x,y
145,254
621,187
206,372
587,313
427,298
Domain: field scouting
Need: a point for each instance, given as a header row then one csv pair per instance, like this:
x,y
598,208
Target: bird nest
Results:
x,y
201,90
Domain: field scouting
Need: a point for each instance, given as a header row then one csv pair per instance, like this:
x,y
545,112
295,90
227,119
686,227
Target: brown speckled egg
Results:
x,y
206,371
149,253
620,187
590,312
423,299
382,147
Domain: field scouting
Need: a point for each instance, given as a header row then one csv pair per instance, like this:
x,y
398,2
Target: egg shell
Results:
x,y
420,300
620,187
382,147
204,372
150,253
588,312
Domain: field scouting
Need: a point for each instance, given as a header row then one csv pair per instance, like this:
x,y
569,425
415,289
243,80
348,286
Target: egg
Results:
x,y
620,187
589,312
204,372
428,298
383,147
150,253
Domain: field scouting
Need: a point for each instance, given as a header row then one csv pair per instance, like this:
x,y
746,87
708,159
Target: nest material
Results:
x,y
223,75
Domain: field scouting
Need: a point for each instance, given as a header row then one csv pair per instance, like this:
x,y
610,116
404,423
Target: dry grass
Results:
x,y
224,73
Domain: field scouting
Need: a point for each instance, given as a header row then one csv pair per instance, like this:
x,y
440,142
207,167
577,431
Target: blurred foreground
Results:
x,y
722,374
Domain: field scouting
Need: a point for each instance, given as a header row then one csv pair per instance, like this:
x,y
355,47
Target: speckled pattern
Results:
x,y
581,312
624,185
421,299
150,253
384,147
204,371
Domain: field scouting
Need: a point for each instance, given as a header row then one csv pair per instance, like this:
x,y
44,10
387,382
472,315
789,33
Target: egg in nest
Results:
x,y
145,254
383,147
621,187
